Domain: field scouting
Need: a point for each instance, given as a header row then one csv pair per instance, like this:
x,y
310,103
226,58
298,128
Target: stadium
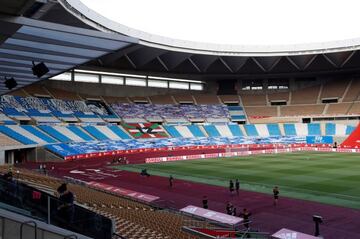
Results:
x,y
111,127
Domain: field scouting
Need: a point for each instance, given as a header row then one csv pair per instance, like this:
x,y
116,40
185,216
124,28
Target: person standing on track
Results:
x,y
276,193
171,180
246,216
231,186
237,186
205,202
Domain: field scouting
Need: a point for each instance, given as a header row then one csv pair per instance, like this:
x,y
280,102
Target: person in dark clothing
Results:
x,y
237,186
66,204
144,173
231,186
205,202
276,193
229,208
246,216
171,180
233,211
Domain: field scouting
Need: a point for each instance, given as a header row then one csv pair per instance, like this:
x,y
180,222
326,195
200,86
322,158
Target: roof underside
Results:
x,y
60,47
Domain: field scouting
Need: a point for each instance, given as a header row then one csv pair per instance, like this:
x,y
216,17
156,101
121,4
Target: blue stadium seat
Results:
x,y
119,132
95,132
330,129
211,130
79,133
54,133
273,129
172,131
314,129
195,130
235,130
290,129
251,130
39,134
14,135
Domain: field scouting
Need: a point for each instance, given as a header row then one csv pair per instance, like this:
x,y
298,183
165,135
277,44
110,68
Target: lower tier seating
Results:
x,y
133,220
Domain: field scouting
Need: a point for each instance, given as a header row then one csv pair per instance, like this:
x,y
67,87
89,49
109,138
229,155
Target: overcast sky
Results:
x,y
255,22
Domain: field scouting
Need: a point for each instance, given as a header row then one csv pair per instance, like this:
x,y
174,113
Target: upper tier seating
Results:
x,y
234,99
334,89
353,92
254,100
162,99
207,99
297,110
154,112
354,108
51,110
261,111
237,113
36,90
62,94
278,96
338,109
4,119
305,96
184,99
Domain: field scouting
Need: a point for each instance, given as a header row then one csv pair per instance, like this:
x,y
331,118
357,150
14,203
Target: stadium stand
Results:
x,y
303,110
237,113
307,95
338,109
278,96
7,141
254,100
133,219
261,111
354,108
206,99
229,99
334,89
162,99
353,92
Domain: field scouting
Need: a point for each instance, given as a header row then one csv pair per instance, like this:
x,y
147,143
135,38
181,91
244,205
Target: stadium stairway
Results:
x,y
224,130
301,129
262,130
184,131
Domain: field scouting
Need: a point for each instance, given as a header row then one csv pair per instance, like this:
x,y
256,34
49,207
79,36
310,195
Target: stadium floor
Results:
x,y
331,178
339,222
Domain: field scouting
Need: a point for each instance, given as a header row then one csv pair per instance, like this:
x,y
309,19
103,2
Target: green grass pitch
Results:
x,y
332,178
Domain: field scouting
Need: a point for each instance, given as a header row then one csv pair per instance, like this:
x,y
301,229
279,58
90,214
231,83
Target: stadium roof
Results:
x,y
144,54
24,41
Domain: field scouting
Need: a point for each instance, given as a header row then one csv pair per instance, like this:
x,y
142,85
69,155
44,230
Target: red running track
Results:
x,y
339,222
